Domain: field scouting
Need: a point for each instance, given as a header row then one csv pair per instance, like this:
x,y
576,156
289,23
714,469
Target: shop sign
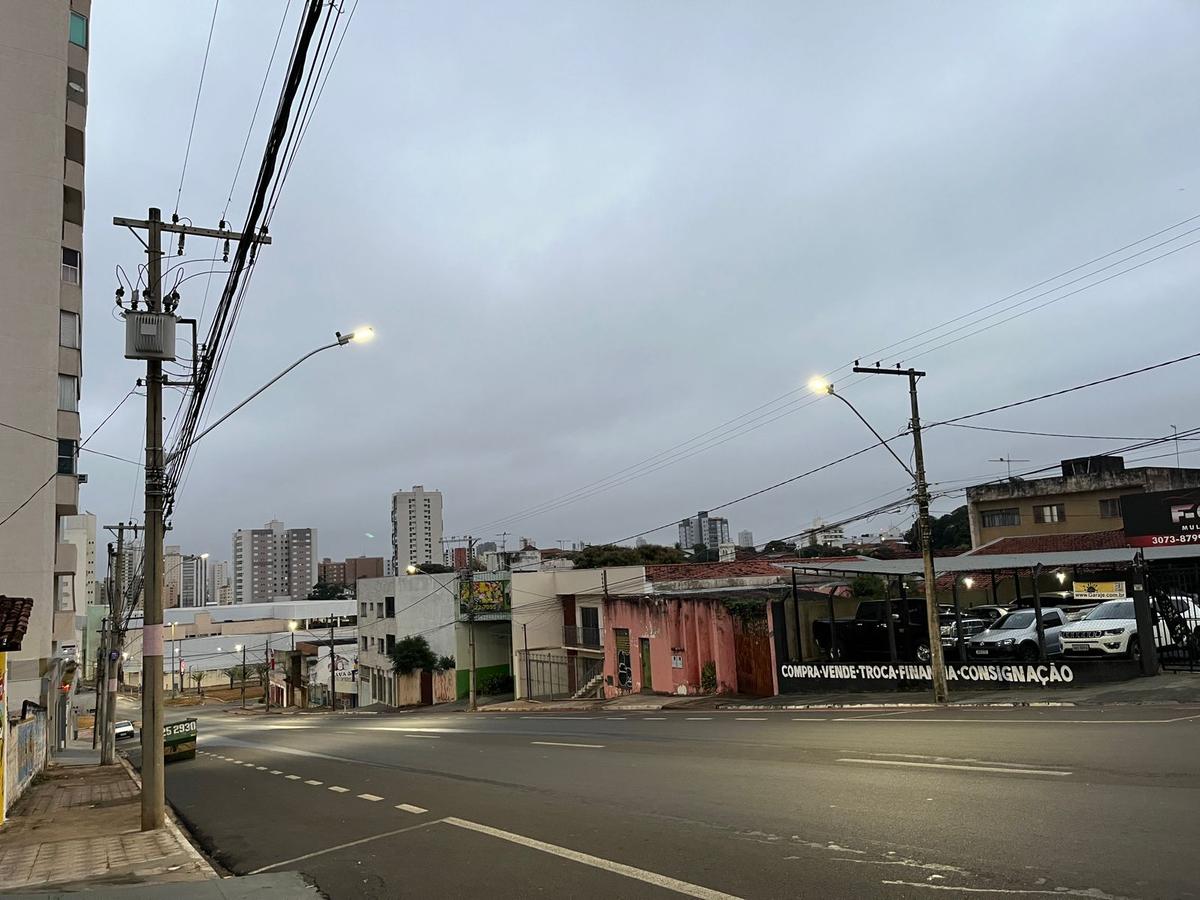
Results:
x,y
1162,518
1099,590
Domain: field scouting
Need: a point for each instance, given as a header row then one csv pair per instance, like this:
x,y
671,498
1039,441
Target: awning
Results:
x,y
1001,562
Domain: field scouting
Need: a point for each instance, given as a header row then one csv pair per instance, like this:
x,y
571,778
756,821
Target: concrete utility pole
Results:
x,y
153,793
332,669
267,676
243,649
937,662
117,611
469,575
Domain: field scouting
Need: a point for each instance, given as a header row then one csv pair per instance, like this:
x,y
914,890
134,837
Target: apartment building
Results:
x,y
347,572
273,563
172,575
711,531
1084,499
220,583
416,528
193,580
43,105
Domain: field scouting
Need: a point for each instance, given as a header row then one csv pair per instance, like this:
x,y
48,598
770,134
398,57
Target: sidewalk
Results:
x,y
79,825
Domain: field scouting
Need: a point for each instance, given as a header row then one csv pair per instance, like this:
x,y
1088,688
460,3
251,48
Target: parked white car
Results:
x,y
123,730
1111,629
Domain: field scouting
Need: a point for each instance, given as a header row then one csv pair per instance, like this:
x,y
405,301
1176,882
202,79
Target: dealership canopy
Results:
x,y
998,562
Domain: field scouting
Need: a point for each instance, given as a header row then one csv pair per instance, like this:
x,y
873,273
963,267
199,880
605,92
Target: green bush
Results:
x,y
496,684
445,663
708,677
413,653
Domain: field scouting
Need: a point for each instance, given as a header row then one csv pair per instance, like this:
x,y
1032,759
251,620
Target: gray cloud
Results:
x,y
587,233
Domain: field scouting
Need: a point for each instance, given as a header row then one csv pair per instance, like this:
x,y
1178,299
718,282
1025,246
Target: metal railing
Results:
x,y
583,636
553,675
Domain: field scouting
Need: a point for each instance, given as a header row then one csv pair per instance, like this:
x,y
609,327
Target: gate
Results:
x,y
1175,602
557,676
752,657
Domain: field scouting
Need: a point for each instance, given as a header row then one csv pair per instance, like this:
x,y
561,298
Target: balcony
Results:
x,y
584,637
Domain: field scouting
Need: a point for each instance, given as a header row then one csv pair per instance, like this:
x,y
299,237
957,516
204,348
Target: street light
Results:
x,y
411,569
937,662
292,626
968,582
358,336
1061,576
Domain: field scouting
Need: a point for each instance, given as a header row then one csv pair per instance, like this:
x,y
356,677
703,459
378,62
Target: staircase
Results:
x,y
589,688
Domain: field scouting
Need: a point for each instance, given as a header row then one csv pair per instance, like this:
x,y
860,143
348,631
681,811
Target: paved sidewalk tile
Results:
x,y
80,826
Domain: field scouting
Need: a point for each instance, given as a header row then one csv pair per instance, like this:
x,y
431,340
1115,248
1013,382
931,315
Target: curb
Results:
x,y
172,824
998,705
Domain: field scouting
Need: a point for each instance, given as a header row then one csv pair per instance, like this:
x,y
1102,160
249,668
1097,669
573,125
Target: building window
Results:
x,y
1050,513
68,393
72,205
74,145
364,644
1110,509
1001,518
68,329
389,607
66,456
77,86
79,30
70,266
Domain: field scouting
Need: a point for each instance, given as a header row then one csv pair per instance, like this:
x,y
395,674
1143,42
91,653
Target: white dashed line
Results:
x,y
750,719
248,765
409,808
336,788
560,744
276,772
260,768
921,765
699,718
616,718
314,782
654,719
292,777
372,797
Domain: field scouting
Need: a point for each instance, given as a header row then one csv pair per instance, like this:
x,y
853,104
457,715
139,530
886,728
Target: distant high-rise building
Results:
x,y
172,575
44,48
826,536
273,562
416,528
220,584
133,555
78,589
347,572
711,531
485,547
193,580
745,538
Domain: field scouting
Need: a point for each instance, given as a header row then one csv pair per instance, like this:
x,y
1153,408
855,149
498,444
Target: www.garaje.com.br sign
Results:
x,y
1012,673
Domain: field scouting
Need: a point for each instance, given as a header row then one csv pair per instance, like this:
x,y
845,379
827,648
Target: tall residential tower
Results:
x,y
273,563
416,527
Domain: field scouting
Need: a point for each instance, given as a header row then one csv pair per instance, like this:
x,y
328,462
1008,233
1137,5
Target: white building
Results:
x,y
822,536
711,531
390,609
416,528
273,563
43,108
745,538
220,584
193,580
172,574
77,589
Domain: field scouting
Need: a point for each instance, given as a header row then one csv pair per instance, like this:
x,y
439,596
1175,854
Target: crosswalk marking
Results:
x,y
409,808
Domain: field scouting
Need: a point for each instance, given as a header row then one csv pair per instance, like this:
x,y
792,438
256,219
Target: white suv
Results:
x,y
1111,629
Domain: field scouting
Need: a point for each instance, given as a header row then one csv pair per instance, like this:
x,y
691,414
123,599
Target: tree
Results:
x,y
436,569
198,678
868,587
949,532
600,555
413,653
262,671
323,590
236,673
820,550
779,547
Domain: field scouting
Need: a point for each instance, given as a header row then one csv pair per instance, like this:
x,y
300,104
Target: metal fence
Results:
x,y
560,676
1175,601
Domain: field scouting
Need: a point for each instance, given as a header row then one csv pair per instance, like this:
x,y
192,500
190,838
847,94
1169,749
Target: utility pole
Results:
x,y
469,575
267,677
117,610
332,669
243,676
937,662
153,795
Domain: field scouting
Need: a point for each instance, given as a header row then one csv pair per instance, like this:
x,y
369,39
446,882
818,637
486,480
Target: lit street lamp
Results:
x,y
292,626
242,647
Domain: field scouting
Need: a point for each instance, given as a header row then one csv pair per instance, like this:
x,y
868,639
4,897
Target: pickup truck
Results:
x,y
866,635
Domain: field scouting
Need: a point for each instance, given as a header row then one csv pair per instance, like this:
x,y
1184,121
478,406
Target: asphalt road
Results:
x,y
1056,802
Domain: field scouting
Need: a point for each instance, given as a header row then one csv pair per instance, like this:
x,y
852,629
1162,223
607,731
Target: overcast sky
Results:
x,y
589,232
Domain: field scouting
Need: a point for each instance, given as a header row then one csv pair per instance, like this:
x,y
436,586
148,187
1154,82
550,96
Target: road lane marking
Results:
x,y
260,768
699,718
608,865
951,759
1059,892
654,718
248,765
615,718
926,765
409,808
336,788
314,782
561,718
292,777
276,772
750,718
372,797
561,744
374,837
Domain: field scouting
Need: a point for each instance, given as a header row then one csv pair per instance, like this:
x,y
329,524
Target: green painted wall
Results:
x,y
481,675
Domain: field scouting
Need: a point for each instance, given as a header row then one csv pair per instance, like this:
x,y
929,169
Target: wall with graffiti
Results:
x,y
25,754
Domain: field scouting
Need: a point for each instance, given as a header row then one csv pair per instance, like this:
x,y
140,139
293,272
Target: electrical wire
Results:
x,y
196,106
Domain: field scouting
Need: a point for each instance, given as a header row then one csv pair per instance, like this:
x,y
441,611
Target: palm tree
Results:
x,y
198,678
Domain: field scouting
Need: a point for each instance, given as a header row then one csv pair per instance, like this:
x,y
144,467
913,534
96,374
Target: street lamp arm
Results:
x,y
881,438
340,342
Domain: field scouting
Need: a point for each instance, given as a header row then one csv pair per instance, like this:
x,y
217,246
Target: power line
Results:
x,y
1053,434
196,106
771,412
